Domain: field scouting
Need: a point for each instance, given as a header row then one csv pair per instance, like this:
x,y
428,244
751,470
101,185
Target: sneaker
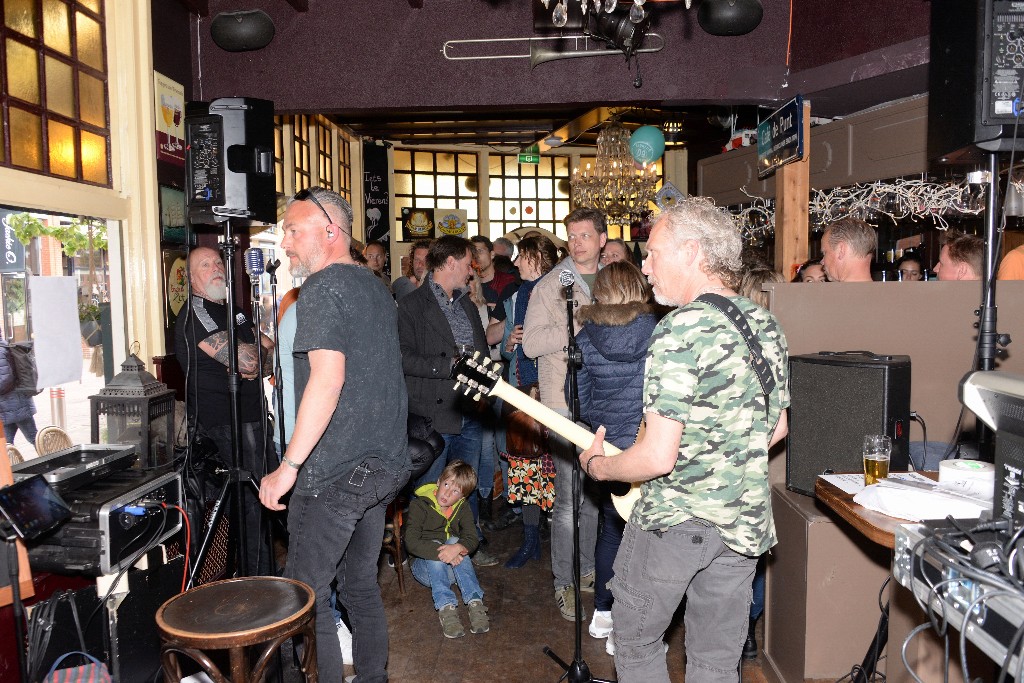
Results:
x,y
587,581
345,640
391,560
451,625
601,624
482,558
478,621
565,598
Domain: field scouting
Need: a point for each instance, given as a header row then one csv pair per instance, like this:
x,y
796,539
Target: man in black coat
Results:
x,y
437,323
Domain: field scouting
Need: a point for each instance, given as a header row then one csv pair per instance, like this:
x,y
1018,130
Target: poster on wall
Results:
x,y
417,224
375,192
12,256
172,215
176,283
170,129
451,222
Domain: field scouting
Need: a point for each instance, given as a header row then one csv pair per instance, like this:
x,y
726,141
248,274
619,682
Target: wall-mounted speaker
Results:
x,y
836,399
242,31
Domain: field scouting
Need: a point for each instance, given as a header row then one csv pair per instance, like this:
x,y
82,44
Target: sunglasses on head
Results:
x,y
307,195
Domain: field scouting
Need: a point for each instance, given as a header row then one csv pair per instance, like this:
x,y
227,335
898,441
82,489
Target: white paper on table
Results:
x,y
854,483
918,505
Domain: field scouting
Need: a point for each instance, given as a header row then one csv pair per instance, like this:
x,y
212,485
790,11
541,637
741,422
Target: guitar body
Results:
x,y
476,374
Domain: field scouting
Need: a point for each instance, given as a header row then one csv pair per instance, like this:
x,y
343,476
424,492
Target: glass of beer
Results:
x,y
877,448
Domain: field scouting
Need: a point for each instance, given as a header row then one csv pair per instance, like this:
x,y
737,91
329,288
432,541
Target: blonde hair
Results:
x,y
620,283
751,281
461,473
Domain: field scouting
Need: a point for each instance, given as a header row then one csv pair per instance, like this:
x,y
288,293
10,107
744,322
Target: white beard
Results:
x,y
217,291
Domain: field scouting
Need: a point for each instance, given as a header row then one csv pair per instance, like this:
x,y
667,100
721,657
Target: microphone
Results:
x,y
567,280
254,263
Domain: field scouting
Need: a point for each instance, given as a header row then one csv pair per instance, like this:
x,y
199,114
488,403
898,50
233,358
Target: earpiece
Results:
x,y
330,234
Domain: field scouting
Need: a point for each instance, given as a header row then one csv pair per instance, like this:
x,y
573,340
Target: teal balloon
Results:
x,y
647,144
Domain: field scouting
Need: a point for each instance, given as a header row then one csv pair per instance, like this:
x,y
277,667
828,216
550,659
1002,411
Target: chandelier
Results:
x,y
615,186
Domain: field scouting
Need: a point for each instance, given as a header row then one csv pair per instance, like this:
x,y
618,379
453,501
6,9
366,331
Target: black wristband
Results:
x,y
586,468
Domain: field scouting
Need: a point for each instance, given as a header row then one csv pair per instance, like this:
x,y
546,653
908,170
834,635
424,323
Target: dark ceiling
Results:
x,y
379,69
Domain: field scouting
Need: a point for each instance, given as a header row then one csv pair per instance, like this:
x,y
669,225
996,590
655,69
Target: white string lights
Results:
x,y
898,199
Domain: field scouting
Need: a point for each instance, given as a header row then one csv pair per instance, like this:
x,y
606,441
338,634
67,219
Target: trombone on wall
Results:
x,y
539,49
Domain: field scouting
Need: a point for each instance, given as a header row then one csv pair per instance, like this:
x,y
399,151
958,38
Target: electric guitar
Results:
x,y
480,374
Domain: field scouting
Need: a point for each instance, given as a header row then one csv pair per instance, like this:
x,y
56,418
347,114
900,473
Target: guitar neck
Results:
x,y
562,426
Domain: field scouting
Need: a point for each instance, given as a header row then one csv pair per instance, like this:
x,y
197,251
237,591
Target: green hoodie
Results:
x,y
426,528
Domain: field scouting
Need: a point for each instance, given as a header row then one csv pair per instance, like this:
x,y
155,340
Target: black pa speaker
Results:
x,y
230,161
836,399
975,72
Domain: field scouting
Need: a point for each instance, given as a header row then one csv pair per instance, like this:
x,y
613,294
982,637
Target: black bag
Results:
x,y
425,444
23,360
7,385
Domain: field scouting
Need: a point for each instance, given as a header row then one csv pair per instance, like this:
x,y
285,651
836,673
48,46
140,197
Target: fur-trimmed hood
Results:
x,y
615,315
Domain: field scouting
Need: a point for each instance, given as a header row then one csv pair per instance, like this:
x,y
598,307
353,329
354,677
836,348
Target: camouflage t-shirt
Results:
x,y
698,373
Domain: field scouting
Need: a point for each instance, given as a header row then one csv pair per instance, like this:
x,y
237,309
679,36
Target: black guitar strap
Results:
x,y
757,361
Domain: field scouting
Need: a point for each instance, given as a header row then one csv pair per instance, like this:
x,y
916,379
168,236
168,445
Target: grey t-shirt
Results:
x,y
346,308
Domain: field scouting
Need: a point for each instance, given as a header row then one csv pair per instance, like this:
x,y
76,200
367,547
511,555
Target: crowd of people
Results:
x,y
660,351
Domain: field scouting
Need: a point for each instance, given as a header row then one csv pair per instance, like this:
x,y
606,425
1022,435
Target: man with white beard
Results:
x,y
201,346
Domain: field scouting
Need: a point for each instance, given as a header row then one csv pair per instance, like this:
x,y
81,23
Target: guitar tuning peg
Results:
x,y
478,396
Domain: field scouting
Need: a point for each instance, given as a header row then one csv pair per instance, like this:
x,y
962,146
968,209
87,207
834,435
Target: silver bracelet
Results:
x,y
290,463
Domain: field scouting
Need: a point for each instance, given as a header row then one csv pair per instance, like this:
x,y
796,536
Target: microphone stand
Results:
x,y
271,270
10,537
577,671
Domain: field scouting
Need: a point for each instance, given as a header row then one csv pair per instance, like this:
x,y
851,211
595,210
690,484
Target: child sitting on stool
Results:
x,y
440,535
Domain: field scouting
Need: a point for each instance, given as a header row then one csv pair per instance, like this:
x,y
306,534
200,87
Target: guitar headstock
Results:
x,y
476,373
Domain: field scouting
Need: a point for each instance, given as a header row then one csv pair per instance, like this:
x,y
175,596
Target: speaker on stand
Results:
x,y
836,400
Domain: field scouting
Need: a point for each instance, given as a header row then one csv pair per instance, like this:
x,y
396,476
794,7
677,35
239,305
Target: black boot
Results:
x,y
486,518
529,550
750,647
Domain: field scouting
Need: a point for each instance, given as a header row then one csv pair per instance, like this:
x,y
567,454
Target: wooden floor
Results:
x,y
524,619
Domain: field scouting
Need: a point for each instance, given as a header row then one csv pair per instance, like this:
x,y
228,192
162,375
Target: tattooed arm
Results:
x,y
216,347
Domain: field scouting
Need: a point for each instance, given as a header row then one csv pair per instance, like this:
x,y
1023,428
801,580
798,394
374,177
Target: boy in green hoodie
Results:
x,y
440,535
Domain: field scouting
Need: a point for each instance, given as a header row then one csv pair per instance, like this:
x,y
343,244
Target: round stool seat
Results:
x,y
235,614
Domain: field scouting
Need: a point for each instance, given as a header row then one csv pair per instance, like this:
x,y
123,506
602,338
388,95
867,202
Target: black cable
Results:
x,y
924,431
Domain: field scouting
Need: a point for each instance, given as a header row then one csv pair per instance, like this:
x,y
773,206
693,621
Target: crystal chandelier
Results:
x,y
616,187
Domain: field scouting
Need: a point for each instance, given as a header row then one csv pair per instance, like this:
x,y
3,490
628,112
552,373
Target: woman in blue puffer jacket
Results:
x,y
16,408
615,333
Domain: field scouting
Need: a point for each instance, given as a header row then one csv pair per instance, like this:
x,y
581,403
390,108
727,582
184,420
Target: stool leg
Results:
x,y
239,671
309,667
398,519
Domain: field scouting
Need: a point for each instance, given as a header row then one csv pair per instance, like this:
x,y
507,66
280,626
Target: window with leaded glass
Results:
x,y
439,180
345,164
54,111
522,195
300,149
324,153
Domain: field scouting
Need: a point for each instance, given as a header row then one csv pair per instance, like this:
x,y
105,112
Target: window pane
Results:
x,y
22,72
545,188
424,183
446,185
26,139
467,185
544,167
425,162
446,203
94,158
60,91
528,188
90,42
496,210
495,187
61,140
403,183
467,163
56,27
18,15
403,160
471,208
512,188
446,163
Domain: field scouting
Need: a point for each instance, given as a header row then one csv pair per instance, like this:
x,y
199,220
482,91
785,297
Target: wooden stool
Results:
x,y
233,615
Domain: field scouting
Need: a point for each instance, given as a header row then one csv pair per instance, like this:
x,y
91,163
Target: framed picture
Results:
x,y
172,215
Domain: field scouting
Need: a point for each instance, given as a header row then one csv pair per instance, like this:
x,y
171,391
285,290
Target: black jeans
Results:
x,y
255,458
337,535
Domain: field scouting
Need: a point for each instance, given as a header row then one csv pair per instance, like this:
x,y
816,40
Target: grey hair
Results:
x,y
330,198
861,237
507,243
697,218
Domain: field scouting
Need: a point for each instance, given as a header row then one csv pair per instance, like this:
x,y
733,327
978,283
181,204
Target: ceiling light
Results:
x,y
729,17
553,141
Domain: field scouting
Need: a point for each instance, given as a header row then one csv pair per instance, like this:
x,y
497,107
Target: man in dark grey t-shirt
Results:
x,y
348,374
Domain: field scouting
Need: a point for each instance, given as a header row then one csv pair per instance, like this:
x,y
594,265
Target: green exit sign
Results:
x,y
529,158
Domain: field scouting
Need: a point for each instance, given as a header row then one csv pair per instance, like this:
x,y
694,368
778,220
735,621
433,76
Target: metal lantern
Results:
x,y
135,408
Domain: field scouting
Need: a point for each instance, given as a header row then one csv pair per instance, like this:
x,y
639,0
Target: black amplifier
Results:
x,y
113,518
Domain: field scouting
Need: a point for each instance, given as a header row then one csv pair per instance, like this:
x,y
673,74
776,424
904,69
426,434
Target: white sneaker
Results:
x,y
601,624
345,640
609,645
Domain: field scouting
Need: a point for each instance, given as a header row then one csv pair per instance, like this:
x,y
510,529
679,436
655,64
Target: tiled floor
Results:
x,y
524,620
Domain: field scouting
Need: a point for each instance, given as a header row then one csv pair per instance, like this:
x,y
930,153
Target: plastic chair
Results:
x,y
52,439
14,455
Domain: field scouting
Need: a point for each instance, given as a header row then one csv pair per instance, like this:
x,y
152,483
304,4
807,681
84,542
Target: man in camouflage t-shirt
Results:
x,y
703,515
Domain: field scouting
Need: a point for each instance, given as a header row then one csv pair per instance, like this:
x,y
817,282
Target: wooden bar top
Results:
x,y
878,527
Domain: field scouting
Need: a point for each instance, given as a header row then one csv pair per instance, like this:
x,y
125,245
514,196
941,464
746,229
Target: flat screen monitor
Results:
x,y
32,507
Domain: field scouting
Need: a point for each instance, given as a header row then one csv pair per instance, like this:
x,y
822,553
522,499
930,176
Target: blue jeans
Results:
x,y
464,446
336,535
757,590
653,571
439,577
27,427
608,540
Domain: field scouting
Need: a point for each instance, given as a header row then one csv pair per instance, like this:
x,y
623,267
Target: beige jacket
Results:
x,y
545,333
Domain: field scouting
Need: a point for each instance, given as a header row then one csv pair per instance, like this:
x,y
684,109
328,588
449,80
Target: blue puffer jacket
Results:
x,y
614,341
14,406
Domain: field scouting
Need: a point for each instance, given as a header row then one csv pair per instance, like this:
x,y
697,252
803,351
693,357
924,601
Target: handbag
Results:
x,y
525,438
93,671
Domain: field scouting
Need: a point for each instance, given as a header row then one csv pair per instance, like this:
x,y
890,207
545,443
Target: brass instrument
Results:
x,y
539,54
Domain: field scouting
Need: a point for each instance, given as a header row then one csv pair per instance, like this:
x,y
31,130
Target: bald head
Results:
x,y
206,274
317,231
